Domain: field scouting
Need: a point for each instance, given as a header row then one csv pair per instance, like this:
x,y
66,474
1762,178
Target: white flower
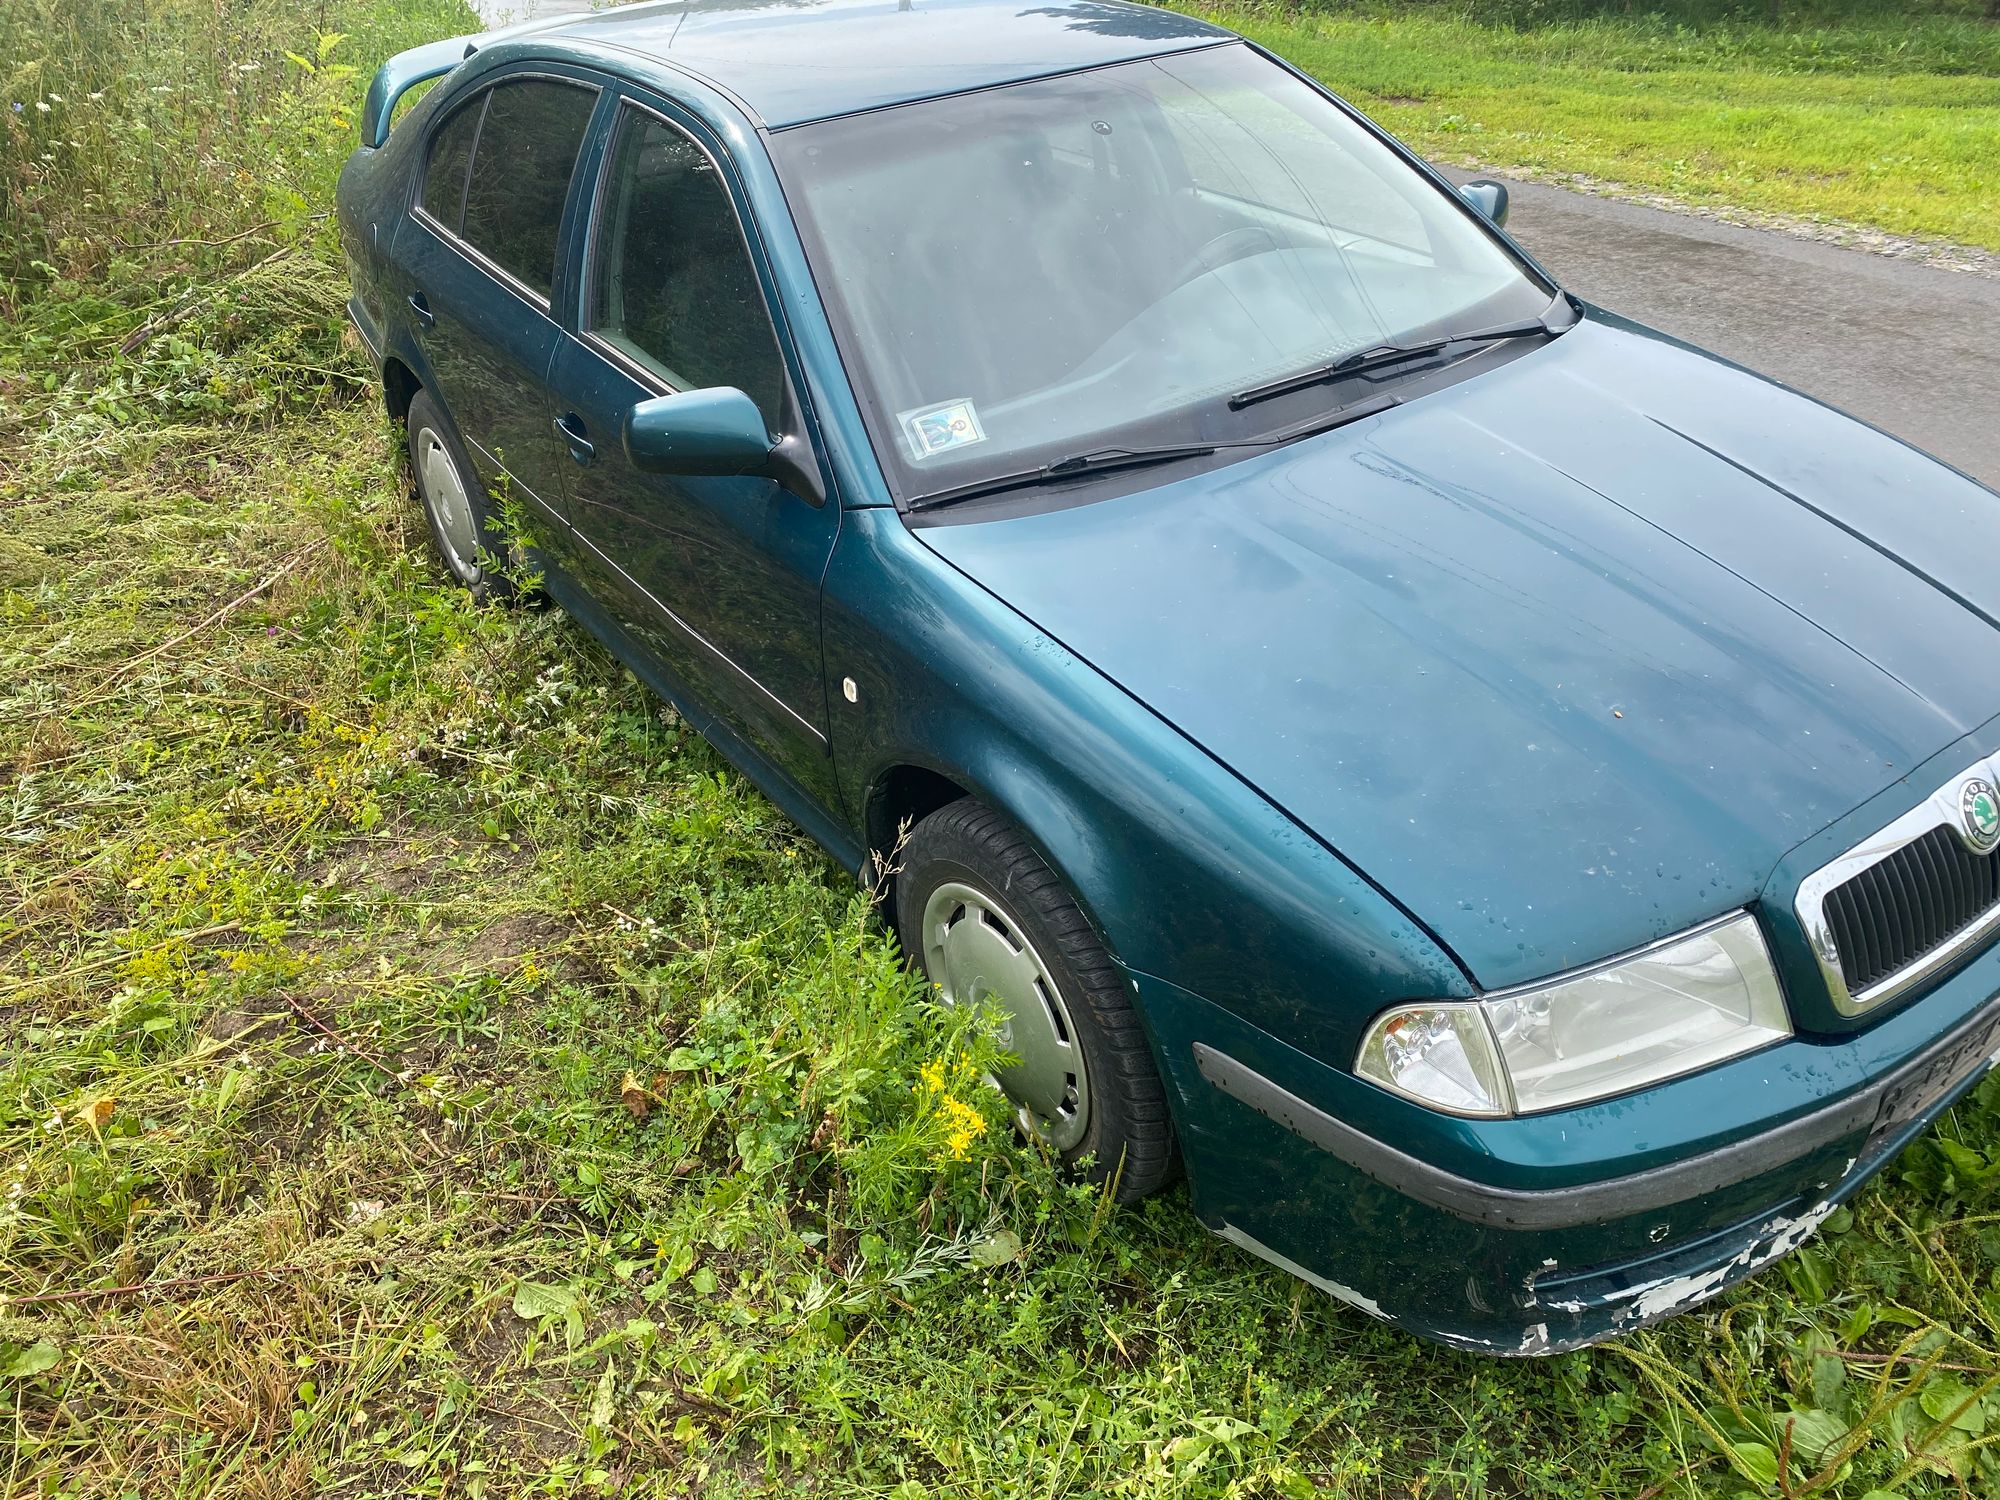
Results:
x,y
41,107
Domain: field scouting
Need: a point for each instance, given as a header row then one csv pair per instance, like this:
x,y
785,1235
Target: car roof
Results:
x,y
791,61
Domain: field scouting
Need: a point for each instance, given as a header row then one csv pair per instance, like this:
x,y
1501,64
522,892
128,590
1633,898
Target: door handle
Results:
x,y
420,305
570,429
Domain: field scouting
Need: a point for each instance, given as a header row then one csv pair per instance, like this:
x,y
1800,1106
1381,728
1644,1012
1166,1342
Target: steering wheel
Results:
x,y
1231,244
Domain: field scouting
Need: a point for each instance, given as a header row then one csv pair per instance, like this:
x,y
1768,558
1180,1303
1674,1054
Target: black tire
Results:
x,y
427,423
1128,1130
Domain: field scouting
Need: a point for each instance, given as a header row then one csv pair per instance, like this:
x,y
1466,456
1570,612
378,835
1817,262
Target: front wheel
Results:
x,y
989,922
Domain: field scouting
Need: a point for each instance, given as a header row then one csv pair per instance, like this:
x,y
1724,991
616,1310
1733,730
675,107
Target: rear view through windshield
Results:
x,y
1104,258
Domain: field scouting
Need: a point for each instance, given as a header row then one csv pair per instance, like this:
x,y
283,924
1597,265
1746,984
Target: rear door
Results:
x,y
718,577
478,254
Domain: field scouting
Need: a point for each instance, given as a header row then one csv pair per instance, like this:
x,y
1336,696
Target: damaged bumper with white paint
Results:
x,y
1536,1235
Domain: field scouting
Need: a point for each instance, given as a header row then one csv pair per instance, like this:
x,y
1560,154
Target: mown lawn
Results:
x,y
1889,117
426,1068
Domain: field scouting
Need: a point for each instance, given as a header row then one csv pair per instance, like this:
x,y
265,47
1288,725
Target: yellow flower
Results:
x,y
967,1118
963,1125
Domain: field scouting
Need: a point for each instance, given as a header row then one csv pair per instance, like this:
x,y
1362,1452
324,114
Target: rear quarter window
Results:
x,y
446,163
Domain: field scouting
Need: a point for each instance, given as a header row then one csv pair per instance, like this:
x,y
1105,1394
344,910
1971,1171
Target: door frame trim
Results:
x,y
653,599
482,88
699,639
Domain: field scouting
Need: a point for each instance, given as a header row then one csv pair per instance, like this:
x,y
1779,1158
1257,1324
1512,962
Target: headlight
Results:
x,y
1680,1005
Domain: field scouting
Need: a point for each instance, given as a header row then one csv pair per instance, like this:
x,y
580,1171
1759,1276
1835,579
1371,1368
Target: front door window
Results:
x,y
674,290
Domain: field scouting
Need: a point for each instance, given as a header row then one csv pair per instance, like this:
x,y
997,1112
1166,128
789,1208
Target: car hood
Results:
x,y
1564,657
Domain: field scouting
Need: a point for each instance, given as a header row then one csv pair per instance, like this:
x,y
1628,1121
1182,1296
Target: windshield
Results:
x,y
1102,259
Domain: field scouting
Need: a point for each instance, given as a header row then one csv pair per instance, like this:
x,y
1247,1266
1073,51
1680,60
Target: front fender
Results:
x,y
1185,870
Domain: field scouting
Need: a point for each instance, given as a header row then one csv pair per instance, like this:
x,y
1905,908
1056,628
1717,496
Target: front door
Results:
x,y
479,256
717,577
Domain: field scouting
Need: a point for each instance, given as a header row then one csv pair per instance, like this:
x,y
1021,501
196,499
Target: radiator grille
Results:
x,y
1901,907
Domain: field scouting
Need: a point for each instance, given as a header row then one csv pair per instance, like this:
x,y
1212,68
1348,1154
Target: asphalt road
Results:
x,y
1911,348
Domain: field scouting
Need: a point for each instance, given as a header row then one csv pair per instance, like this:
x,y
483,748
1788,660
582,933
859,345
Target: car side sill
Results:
x,y
1876,1110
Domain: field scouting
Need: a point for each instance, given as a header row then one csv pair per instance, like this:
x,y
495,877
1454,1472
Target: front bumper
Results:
x,y
1413,1218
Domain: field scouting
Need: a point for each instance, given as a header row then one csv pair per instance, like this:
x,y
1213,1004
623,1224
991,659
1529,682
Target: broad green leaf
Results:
x,y
1971,1166
1755,1461
225,1090
1858,1322
997,1249
1941,1400
535,1300
33,1360
603,1403
1815,1434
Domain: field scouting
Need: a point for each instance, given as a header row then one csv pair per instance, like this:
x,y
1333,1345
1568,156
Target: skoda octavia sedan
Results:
x,y
1501,799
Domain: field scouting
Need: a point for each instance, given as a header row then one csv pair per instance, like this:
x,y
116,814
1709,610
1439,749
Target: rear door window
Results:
x,y
521,164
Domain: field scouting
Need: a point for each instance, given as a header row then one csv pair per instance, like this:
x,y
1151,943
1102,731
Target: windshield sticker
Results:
x,y
934,429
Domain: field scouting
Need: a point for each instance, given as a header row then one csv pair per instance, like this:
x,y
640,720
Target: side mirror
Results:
x,y
714,431
1488,196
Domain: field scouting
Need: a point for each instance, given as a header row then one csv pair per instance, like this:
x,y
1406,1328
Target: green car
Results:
x,y
1501,800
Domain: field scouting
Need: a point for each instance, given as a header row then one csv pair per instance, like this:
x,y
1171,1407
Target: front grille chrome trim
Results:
x,y
1939,810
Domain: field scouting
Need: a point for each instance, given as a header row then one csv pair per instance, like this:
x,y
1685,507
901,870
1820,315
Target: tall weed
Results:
x,y
166,168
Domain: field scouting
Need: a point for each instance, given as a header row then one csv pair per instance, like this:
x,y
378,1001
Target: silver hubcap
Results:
x,y
975,952
444,494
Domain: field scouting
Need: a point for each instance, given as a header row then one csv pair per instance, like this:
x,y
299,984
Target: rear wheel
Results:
x,y
461,520
989,922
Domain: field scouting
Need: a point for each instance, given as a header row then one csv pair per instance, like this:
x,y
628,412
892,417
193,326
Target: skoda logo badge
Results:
x,y
1979,815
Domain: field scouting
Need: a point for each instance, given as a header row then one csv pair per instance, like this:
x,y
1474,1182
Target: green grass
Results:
x,y
426,1068
1886,119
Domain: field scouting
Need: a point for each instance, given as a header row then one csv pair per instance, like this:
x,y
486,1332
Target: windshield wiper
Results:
x,y
1381,356
1133,458
1096,461
1326,421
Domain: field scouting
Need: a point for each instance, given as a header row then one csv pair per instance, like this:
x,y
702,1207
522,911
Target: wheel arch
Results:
x,y
901,796
906,791
399,388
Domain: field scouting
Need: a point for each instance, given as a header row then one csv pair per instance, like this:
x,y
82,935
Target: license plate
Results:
x,y
1909,1097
